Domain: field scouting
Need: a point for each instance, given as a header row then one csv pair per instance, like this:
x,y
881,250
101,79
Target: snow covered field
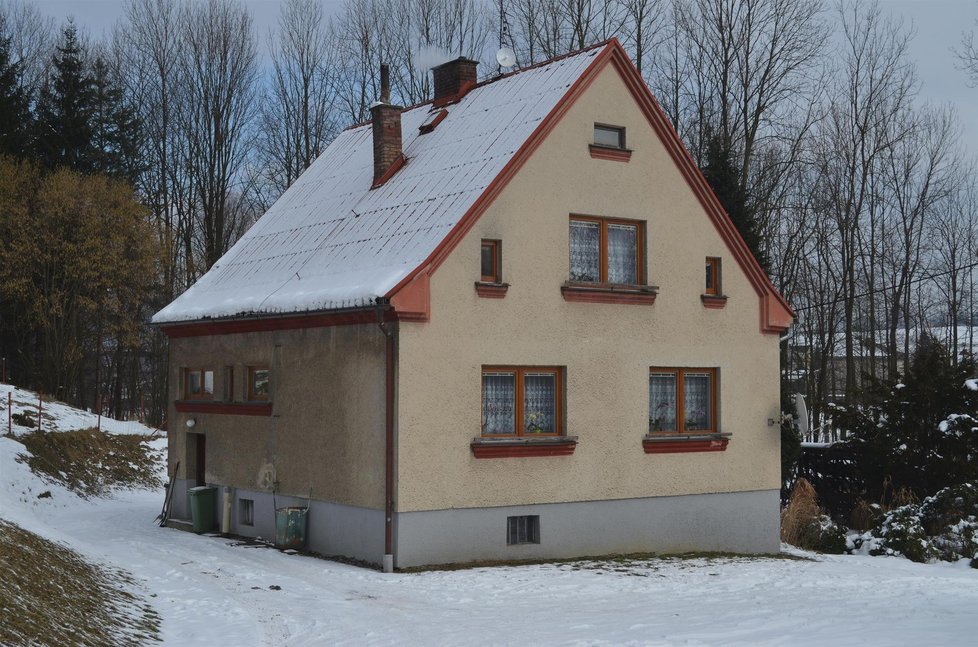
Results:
x,y
214,591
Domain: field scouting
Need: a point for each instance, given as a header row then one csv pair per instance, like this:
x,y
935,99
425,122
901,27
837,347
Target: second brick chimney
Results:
x,y
453,79
386,118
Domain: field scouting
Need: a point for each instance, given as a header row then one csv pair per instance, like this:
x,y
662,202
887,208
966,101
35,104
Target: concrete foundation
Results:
x,y
333,529
740,522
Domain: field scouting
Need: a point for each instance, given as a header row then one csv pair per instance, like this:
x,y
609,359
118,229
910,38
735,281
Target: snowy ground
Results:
x,y
56,416
212,591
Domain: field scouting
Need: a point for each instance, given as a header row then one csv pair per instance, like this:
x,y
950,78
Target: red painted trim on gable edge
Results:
x,y
413,302
264,324
547,124
775,312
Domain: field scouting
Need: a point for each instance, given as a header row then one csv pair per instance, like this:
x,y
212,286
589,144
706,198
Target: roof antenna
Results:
x,y
505,56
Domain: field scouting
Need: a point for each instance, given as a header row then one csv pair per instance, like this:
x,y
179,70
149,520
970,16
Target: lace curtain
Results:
x,y
622,241
539,403
696,401
585,251
498,403
662,402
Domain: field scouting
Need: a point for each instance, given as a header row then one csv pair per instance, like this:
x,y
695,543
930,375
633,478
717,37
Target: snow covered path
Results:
x,y
209,591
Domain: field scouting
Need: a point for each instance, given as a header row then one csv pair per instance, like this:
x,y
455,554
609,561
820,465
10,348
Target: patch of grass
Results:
x,y
52,596
90,462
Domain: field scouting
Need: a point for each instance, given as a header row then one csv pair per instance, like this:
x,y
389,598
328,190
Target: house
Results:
x,y
511,323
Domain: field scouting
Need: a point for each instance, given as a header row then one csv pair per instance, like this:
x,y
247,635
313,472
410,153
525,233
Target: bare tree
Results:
x,y
219,77
299,118
31,39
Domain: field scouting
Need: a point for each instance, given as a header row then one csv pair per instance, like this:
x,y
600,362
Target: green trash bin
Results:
x,y
203,502
290,527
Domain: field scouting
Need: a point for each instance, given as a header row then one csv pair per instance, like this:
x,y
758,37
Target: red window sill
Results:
x,y
608,153
523,446
669,444
226,408
713,300
609,293
491,290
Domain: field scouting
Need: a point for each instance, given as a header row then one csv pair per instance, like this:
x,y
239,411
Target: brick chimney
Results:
x,y
454,78
386,118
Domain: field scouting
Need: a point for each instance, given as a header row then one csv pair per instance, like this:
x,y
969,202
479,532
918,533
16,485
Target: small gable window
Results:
x,y
712,276
609,136
491,270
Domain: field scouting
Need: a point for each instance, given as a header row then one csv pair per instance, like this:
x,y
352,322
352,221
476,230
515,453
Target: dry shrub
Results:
x,y
865,515
800,514
805,525
903,496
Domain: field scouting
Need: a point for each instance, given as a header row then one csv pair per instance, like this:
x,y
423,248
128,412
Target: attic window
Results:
x,y
609,136
432,120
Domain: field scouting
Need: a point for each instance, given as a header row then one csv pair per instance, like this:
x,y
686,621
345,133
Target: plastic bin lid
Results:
x,y
201,488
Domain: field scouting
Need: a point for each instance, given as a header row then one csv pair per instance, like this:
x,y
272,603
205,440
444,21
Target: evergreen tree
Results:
x,y
720,170
15,116
920,432
64,111
115,127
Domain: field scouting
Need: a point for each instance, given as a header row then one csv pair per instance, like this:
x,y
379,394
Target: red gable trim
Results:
x,y
775,313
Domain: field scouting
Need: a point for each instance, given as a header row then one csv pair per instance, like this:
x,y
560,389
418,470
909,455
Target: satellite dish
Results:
x,y
506,57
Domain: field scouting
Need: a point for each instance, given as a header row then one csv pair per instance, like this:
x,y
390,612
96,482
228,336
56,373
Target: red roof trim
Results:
x,y
265,324
775,313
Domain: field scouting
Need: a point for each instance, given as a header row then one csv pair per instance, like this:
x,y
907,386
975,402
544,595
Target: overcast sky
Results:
x,y
938,25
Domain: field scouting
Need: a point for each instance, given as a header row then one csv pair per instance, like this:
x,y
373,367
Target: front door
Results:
x,y
199,453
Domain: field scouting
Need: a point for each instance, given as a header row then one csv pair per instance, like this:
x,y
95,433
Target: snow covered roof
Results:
x,y
330,242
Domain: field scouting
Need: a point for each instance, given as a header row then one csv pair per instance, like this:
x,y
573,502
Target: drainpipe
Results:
x,y
389,439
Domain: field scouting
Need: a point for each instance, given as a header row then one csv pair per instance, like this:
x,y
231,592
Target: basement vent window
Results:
x,y
246,512
523,530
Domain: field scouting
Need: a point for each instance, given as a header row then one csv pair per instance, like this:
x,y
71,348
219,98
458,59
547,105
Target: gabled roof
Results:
x,y
332,243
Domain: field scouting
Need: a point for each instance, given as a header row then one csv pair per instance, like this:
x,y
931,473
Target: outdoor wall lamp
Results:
x,y
191,422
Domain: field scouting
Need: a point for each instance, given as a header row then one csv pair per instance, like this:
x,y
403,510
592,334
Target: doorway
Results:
x,y
197,455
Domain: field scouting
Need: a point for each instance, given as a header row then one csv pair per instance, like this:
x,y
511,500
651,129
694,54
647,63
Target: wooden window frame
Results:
x,y
520,396
229,383
713,263
203,395
680,373
258,397
603,263
497,261
621,136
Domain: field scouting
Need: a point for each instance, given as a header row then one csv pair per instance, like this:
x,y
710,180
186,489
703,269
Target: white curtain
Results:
x,y
622,240
696,401
662,402
498,403
539,403
585,251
